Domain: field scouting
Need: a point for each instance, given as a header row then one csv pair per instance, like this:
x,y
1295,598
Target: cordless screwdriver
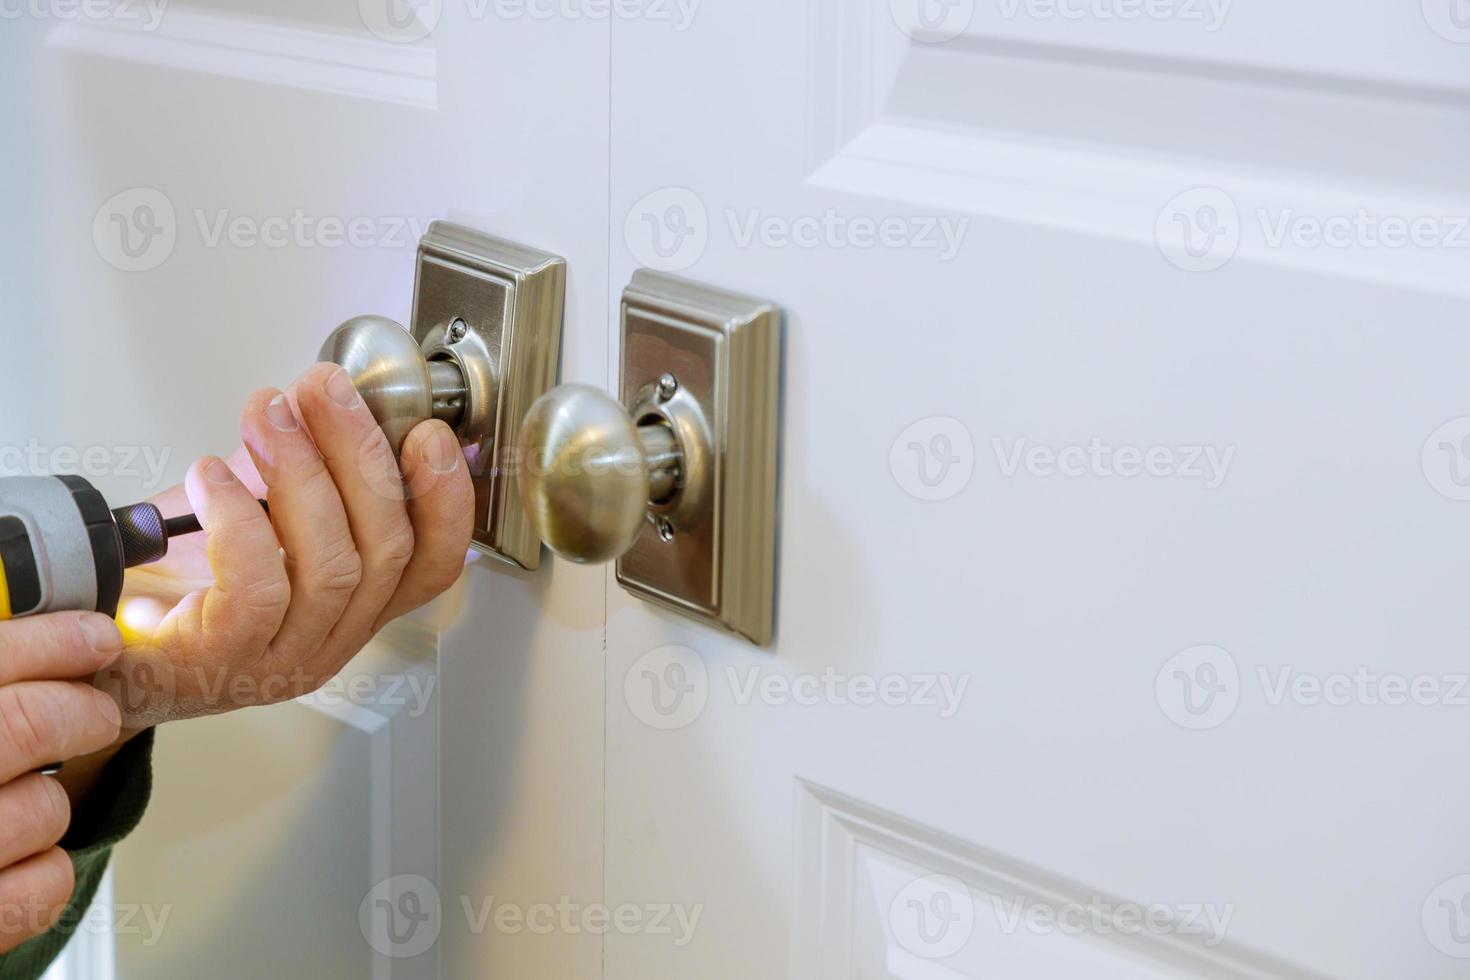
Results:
x,y
62,548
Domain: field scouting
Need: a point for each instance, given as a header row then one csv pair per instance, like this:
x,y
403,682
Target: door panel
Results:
x,y
1093,618
215,195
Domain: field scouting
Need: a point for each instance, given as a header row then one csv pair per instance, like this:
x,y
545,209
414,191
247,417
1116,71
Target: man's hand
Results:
x,y
275,605
49,712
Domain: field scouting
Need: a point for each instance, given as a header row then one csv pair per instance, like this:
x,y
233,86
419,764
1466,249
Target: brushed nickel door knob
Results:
x,y
400,384
596,472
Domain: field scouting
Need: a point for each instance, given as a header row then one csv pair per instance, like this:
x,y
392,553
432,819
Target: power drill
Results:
x,y
61,547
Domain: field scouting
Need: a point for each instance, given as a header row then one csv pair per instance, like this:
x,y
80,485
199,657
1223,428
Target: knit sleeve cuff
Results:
x,y
116,803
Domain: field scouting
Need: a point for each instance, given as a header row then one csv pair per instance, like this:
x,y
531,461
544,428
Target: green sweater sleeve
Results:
x,y
114,808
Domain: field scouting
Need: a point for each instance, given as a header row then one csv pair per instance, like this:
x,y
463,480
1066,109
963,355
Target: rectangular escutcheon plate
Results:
x,y
509,298
723,351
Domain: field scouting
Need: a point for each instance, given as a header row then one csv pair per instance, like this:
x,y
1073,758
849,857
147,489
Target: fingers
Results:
x,y
33,894
310,521
362,466
57,646
50,721
34,813
251,593
441,508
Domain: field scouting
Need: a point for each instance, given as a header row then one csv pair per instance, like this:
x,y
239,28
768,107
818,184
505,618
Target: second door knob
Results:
x,y
596,472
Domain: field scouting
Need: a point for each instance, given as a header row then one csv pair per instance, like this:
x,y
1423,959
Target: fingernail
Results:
x,y
341,389
279,414
101,633
110,713
447,455
218,472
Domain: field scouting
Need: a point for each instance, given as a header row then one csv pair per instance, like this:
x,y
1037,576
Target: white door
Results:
x,y
1123,466
1121,611
199,198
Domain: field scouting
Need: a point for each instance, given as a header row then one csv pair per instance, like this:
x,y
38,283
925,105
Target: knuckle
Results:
x,y
268,594
375,458
394,550
56,877
29,720
47,804
338,568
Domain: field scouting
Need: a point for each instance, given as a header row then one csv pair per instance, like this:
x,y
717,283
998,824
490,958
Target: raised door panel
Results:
x,y
1121,467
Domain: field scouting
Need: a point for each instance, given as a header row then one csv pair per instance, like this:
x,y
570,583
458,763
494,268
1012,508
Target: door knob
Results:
x,y
676,478
596,472
403,383
481,347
